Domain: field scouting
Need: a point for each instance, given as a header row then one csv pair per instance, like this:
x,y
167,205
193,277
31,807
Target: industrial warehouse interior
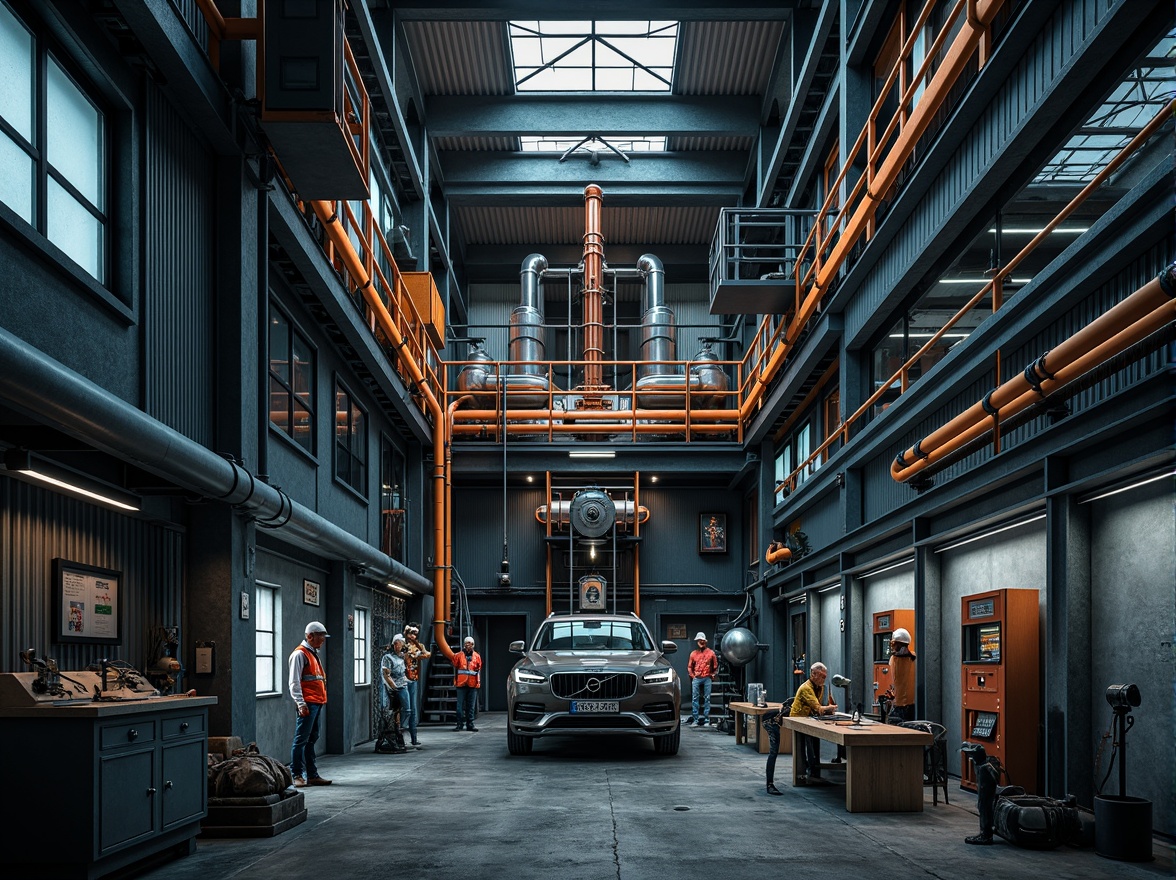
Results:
x,y
724,438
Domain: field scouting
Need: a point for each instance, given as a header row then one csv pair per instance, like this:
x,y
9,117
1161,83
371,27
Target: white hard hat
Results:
x,y
399,637
901,635
315,627
469,640
701,637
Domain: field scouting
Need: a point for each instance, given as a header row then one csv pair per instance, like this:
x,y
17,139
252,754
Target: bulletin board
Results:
x,y
87,604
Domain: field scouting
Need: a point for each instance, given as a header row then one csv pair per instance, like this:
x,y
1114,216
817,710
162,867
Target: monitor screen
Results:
x,y
990,643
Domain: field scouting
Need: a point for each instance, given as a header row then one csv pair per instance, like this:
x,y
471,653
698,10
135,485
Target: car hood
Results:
x,y
591,660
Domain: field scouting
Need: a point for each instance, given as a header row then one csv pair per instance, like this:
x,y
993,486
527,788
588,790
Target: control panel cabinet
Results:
x,y
886,622
1001,682
103,786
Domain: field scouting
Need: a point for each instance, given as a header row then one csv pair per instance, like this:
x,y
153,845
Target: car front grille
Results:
x,y
593,685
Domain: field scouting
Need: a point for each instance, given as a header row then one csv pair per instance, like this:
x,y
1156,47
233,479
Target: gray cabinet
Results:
x,y
118,782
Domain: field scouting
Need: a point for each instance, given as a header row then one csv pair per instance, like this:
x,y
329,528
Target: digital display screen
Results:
x,y
883,623
982,608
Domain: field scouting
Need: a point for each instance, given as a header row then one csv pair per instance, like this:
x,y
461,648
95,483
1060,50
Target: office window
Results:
x,y
291,379
53,148
393,503
350,440
363,666
267,615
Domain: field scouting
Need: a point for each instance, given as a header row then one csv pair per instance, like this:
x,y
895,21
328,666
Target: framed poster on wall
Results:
x,y
310,592
87,604
712,533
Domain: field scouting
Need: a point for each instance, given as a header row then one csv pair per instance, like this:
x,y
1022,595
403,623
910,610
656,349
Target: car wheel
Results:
x,y
518,744
668,744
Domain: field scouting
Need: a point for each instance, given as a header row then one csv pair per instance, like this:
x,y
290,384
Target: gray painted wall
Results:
x,y
1133,614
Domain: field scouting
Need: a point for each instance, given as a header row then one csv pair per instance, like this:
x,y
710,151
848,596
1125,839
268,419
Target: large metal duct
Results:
x,y
527,388
49,390
560,512
593,513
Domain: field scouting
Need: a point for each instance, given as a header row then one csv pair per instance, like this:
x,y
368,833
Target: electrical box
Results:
x,y
310,101
886,622
1001,689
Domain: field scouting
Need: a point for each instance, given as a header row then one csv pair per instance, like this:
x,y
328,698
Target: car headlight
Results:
x,y
659,676
528,676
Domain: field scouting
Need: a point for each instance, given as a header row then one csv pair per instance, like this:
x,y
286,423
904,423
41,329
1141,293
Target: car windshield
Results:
x,y
593,635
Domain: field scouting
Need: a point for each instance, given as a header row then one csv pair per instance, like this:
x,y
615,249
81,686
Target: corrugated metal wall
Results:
x,y
37,526
179,273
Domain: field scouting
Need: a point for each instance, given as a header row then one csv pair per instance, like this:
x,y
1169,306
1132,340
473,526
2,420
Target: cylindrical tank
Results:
x,y
658,333
710,378
739,646
528,339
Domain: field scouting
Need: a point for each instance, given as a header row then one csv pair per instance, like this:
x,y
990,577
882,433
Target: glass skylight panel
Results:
x,y
1131,105
533,144
593,56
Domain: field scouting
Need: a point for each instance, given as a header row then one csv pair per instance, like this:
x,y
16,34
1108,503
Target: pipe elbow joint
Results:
x,y
650,263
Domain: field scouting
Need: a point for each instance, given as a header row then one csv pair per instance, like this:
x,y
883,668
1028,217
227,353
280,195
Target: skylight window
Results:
x,y
645,144
1132,104
593,56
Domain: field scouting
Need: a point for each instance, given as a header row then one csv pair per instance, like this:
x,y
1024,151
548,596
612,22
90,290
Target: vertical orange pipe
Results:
x,y
593,309
637,544
548,544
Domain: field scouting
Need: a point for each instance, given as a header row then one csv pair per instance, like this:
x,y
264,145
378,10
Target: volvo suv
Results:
x,y
593,674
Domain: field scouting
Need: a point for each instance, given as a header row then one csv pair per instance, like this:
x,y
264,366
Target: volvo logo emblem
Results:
x,y
592,685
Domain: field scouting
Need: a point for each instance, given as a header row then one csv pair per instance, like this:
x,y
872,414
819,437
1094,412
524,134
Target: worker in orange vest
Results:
x,y
308,688
467,667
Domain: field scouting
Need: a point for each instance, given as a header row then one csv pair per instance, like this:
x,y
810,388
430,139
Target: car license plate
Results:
x,y
585,707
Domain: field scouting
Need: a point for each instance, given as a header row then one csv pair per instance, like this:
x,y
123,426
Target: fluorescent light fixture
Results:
x,y
396,588
1068,231
602,453
921,335
990,533
830,588
886,568
64,479
982,280
1107,493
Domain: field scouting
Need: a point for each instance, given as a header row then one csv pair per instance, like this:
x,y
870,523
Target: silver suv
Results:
x,y
594,674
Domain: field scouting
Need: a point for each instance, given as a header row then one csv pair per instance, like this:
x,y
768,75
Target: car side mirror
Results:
x,y
518,647
669,647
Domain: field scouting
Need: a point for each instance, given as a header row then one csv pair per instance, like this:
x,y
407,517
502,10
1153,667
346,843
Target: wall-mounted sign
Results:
x,y
310,592
592,593
87,604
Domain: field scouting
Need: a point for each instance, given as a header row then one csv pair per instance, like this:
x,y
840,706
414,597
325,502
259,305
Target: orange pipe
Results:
x,y
637,545
548,545
921,117
777,552
593,309
1138,316
442,570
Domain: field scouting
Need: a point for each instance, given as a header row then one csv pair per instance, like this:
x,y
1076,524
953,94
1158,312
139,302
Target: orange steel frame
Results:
x,y
353,244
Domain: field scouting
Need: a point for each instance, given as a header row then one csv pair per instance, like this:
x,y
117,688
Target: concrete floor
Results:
x,y
610,809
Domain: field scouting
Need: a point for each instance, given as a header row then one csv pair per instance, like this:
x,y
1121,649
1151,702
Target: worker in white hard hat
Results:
x,y
902,664
308,689
701,667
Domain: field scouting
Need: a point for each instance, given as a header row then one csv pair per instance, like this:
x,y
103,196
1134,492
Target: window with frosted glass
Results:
x,y
53,153
362,638
266,615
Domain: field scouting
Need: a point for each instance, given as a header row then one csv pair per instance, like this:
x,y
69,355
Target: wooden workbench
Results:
x,y
883,763
760,739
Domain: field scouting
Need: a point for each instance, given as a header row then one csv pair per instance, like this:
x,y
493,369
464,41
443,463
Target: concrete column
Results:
x,y
339,605
1066,644
219,570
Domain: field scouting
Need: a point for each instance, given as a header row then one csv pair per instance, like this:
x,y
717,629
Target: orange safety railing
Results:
x,y
994,287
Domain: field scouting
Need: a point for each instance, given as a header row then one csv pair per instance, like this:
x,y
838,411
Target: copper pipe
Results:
x,y
637,544
337,235
548,545
593,308
1143,313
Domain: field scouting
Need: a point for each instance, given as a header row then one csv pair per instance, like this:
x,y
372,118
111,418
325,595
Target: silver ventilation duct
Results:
x,y
527,343
656,377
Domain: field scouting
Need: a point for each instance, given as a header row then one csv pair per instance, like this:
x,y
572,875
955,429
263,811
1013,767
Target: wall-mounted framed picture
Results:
x,y
712,533
87,604
310,592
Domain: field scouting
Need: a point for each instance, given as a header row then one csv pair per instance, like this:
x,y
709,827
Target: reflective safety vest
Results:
x,y
467,670
314,682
